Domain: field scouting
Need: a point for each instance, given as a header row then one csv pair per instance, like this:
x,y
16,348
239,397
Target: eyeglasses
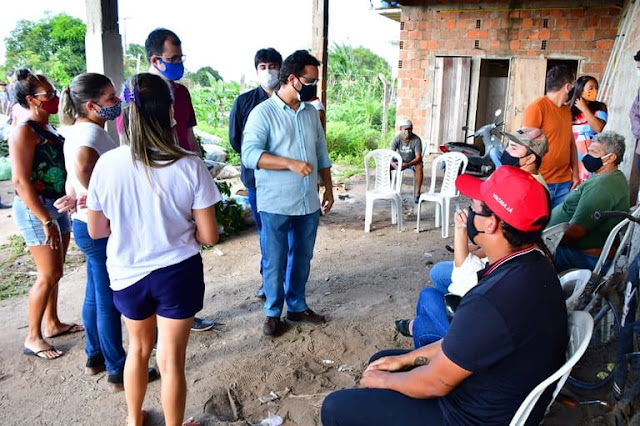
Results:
x,y
177,59
312,81
49,95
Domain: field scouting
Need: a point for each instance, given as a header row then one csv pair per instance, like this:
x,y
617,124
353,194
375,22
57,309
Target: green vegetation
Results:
x,y
14,280
53,46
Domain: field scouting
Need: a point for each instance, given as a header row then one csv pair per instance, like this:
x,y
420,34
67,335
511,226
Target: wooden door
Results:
x,y
528,77
450,100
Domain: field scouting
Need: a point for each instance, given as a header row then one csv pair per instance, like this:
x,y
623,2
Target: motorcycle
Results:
x,y
480,165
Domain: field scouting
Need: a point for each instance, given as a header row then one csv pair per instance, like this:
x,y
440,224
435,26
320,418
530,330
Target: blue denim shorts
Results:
x,y
174,292
30,226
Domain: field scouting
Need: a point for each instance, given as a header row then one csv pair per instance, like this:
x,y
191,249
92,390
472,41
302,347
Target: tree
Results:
x,y
53,46
204,77
134,60
354,92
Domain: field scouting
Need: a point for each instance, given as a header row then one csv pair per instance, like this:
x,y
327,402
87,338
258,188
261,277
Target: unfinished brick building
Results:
x,y
462,60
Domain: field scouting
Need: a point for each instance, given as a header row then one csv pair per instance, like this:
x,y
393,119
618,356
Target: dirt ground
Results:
x,y
361,281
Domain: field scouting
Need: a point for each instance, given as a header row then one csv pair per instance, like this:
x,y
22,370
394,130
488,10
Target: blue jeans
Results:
x,y
431,322
287,245
566,257
102,326
379,407
440,275
254,208
558,192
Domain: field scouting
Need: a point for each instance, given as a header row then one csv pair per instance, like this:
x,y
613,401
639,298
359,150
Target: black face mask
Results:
x,y
472,231
509,160
307,92
591,163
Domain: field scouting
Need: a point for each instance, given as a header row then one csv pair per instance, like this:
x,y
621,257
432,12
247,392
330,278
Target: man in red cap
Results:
x,y
508,334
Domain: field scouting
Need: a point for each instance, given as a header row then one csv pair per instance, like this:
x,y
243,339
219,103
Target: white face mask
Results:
x,y
268,78
638,72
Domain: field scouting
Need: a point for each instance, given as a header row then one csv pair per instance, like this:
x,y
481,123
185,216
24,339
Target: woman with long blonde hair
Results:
x,y
155,202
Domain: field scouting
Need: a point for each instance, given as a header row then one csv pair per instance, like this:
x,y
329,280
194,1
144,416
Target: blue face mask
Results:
x,y
111,112
173,72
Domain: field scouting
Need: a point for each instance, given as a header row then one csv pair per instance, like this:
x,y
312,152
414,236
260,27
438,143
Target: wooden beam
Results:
x,y
319,40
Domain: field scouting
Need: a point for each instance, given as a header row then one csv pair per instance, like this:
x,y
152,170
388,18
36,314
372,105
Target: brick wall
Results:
x,y
584,33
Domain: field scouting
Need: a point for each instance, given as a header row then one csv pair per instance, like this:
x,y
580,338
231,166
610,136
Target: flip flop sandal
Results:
x,y
38,354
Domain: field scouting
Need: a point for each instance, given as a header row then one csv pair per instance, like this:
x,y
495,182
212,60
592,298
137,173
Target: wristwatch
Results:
x,y
48,224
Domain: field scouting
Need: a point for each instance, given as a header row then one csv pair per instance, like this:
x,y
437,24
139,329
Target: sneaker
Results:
x,y
200,324
416,200
116,381
260,293
306,316
94,365
271,326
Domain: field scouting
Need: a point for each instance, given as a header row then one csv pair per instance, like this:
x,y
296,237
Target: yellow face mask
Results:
x,y
590,95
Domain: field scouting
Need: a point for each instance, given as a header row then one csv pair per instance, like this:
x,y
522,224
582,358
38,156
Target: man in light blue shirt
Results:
x,y
283,141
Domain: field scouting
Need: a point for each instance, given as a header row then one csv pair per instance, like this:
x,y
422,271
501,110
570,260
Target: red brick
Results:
x,y
560,23
424,64
471,34
589,34
556,13
423,44
514,14
555,45
544,33
414,35
525,14
494,44
532,52
604,44
514,45
450,24
527,23
461,24
533,35
433,44
578,13
592,22
482,34
565,35
569,45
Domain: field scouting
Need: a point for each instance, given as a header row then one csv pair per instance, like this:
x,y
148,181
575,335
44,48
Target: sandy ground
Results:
x,y
361,281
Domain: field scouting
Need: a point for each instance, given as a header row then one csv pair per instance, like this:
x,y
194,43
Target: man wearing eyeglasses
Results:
x,y
164,53
551,114
283,141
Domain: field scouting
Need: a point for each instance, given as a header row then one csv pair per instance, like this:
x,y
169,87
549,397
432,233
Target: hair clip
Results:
x,y
132,95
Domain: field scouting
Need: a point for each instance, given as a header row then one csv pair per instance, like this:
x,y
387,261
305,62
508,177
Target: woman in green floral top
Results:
x,y
38,173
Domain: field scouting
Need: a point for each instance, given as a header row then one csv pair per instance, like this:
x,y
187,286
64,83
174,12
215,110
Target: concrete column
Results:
x,y
103,45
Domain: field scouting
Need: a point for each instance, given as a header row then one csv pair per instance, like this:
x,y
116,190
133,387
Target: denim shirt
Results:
x,y
277,129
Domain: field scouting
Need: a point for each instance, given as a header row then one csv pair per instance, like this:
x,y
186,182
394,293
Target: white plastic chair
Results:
x,y
621,235
386,185
573,284
553,235
580,329
455,164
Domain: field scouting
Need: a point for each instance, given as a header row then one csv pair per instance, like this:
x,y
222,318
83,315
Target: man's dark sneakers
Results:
x,y
272,326
306,316
116,381
260,293
200,324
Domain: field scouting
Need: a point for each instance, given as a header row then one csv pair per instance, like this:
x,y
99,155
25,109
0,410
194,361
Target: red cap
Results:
x,y
512,194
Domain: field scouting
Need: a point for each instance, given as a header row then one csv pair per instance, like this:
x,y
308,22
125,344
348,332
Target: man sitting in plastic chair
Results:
x,y
507,335
409,146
